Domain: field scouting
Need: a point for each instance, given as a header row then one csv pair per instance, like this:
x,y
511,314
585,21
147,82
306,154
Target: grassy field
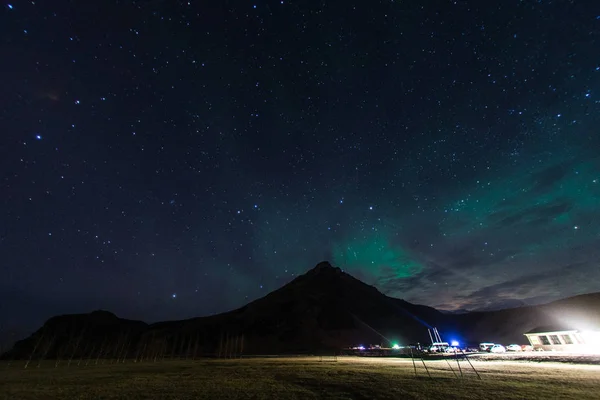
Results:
x,y
300,378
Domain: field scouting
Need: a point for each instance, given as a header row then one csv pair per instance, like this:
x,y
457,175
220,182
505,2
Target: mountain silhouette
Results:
x,y
509,325
322,311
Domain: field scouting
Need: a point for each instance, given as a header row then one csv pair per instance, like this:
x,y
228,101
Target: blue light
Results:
x,y
454,343
38,137
10,6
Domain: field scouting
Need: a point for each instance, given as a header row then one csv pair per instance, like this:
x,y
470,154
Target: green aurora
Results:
x,y
376,257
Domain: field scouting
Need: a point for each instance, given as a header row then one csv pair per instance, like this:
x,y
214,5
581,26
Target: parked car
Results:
x,y
485,346
526,347
438,347
513,347
497,348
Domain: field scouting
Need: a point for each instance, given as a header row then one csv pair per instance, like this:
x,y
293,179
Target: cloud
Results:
x,y
533,216
532,288
545,179
434,284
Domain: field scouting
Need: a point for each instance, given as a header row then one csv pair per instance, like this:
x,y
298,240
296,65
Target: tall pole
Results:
x,y
413,361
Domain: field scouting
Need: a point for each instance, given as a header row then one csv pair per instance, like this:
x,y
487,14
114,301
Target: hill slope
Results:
x,y
508,326
322,309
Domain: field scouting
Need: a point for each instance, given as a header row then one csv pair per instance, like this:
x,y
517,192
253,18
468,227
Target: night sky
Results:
x,y
172,159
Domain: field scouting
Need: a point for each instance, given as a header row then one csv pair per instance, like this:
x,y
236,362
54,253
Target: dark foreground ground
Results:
x,y
301,378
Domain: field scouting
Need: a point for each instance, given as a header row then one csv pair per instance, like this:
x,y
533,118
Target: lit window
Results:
x,y
544,340
534,340
555,339
566,339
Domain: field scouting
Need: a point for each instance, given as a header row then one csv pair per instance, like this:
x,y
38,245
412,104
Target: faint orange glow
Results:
x,y
50,95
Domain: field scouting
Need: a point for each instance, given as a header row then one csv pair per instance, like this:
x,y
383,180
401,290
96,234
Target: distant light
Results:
x,y
77,102
396,346
370,207
454,343
10,6
361,347
174,295
38,137
575,227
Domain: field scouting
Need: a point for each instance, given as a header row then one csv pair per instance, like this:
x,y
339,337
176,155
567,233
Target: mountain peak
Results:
x,y
324,266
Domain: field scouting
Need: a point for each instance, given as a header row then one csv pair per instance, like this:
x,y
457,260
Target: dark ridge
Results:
x,y
323,310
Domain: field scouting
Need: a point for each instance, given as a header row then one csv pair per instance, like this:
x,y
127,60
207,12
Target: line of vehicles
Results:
x,y
438,348
498,348
445,347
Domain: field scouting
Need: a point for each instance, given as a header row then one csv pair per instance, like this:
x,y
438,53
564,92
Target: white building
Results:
x,y
564,339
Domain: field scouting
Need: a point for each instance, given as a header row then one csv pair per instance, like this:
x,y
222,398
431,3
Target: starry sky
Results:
x,y
171,159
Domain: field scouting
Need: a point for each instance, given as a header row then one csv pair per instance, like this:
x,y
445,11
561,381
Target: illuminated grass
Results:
x,y
299,378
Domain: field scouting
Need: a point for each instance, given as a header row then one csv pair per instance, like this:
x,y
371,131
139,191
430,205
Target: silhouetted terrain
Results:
x,y
323,310
508,326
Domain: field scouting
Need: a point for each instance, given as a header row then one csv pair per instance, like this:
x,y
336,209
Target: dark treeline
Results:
x,y
100,338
